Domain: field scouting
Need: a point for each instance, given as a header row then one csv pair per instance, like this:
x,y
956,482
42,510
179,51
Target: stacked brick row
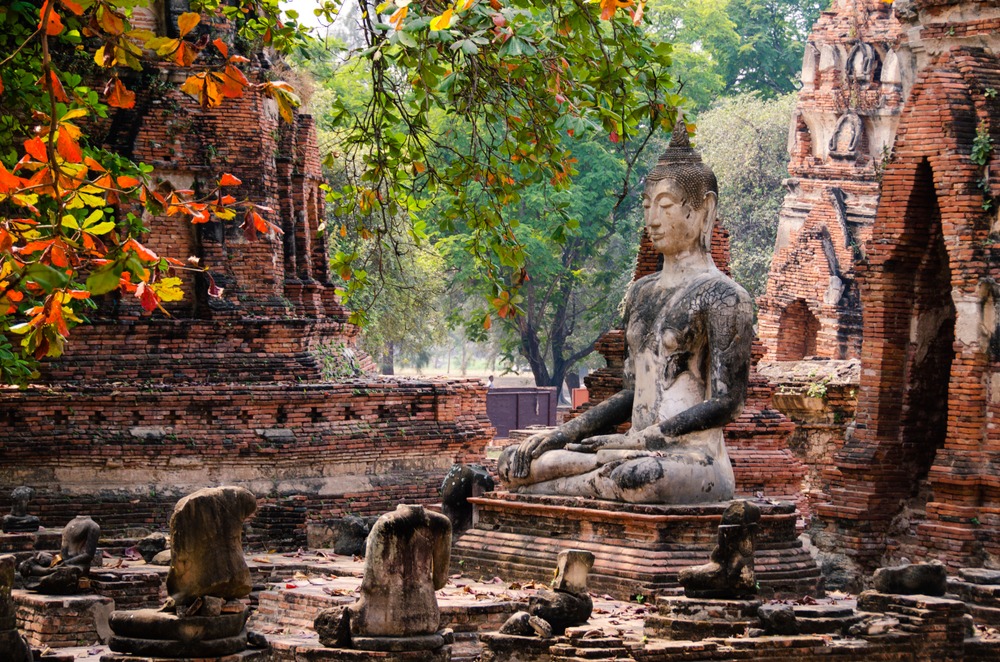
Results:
x,y
60,622
842,129
130,590
282,525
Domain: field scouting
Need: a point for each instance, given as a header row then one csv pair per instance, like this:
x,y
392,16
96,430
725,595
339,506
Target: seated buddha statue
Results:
x,y
688,331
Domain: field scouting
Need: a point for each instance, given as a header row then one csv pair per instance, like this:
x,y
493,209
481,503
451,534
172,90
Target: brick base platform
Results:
x,y
638,548
313,653
245,656
61,621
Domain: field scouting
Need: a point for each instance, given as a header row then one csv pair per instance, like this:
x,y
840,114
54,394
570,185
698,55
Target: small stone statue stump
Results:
x,y
729,574
19,521
43,574
528,635
912,579
406,561
462,482
204,615
569,603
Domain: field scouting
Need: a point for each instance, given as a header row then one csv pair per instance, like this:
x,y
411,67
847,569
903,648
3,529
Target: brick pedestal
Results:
x,y
60,621
638,548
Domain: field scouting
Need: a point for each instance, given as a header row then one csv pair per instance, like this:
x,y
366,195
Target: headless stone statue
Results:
x,y
206,547
203,616
44,574
406,561
688,330
19,521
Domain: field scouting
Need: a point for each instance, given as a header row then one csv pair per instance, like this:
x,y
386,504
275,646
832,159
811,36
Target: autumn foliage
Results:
x,y
70,226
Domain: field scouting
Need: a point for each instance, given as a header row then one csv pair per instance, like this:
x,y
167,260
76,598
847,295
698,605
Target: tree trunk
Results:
x,y
465,357
572,380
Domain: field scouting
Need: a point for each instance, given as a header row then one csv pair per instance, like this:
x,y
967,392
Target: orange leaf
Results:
x,y
57,88
228,199
221,45
487,323
73,7
608,8
343,230
67,147
127,182
36,148
54,25
229,180
119,97
77,294
187,22
233,82
140,250
92,164
110,22
442,21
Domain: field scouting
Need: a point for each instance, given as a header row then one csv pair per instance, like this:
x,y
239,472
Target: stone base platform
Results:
x,y
60,621
639,549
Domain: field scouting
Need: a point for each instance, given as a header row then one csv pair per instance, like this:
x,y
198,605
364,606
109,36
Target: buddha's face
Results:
x,y
674,227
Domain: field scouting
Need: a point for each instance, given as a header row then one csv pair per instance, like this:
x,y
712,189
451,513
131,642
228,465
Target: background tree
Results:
x,y
578,266
745,140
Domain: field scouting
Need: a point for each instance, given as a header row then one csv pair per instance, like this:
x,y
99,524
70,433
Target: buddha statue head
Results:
x,y
680,198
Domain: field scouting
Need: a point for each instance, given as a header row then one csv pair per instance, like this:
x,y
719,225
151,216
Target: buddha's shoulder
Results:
x,y
712,287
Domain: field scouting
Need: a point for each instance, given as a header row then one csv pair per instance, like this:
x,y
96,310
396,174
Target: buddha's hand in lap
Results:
x,y
601,441
532,447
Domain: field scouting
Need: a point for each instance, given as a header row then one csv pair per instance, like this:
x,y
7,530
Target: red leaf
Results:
x,y
213,289
73,7
614,137
147,297
1,85
249,231
68,148
229,180
57,88
140,250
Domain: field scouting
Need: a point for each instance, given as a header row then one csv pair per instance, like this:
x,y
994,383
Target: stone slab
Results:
x,y
513,648
639,549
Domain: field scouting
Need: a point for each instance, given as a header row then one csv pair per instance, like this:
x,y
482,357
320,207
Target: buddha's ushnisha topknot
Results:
x,y
681,163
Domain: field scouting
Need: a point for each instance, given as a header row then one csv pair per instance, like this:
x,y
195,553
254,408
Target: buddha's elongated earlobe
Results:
x,y
710,207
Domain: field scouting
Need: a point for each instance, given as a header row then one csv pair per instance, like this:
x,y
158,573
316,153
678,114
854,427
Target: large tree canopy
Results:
x,y
522,75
